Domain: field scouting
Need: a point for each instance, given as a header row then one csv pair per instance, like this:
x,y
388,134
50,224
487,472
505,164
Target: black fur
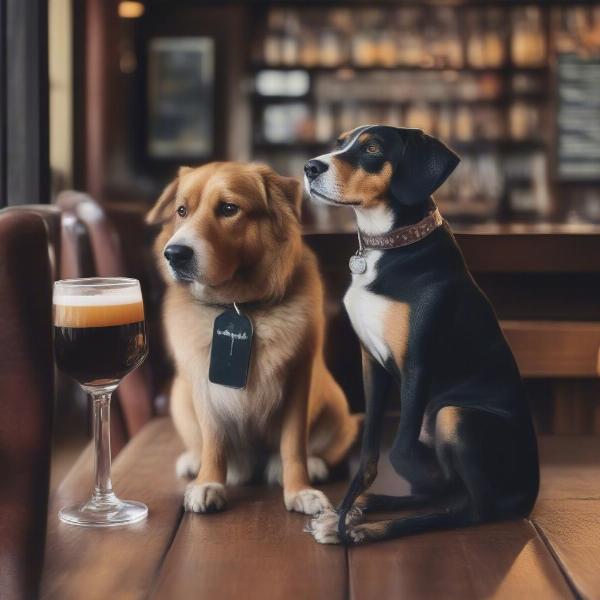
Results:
x,y
486,467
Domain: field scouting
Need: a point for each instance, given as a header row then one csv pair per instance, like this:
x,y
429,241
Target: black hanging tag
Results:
x,y
230,350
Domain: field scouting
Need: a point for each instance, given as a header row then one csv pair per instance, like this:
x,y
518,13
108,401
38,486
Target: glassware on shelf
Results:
x,y
272,44
387,54
490,123
290,40
347,117
392,116
464,126
445,42
494,42
308,51
524,120
272,48
528,41
445,123
330,54
324,123
364,49
420,115
287,123
409,42
489,86
475,40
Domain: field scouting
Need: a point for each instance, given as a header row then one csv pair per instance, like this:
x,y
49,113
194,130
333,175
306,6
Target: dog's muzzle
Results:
x,y
178,255
313,168
181,260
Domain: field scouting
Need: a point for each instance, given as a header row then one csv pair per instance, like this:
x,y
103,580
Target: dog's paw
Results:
x,y
359,534
205,497
324,527
187,465
307,501
363,533
317,469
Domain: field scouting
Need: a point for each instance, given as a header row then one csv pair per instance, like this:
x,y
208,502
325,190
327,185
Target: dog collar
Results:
x,y
403,236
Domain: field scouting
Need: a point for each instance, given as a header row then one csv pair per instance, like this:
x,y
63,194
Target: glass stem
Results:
x,y
103,486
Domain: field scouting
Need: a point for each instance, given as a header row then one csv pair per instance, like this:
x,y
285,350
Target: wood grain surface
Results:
x,y
502,560
567,514
256,549
122,562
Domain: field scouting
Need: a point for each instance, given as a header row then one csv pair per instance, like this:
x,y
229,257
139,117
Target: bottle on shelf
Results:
x,y
494,39
409,42
475,40
528,42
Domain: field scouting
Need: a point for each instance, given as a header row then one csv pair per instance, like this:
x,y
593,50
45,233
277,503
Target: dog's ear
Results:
x,y
164,208
292,190
288,187
423,164
184,171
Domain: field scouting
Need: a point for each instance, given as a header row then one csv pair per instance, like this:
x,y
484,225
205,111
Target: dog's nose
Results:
x,y
178,255
314,168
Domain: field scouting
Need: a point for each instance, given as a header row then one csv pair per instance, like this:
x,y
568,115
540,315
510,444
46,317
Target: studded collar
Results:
x,y
403,236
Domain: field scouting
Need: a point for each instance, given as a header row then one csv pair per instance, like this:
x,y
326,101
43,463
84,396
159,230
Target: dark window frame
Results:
x,y
24,103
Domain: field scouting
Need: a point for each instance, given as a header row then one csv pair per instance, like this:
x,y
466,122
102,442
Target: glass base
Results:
x,y
104,511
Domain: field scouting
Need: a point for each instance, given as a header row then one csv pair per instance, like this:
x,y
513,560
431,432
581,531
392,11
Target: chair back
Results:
x,y
134,397
51,216
27,387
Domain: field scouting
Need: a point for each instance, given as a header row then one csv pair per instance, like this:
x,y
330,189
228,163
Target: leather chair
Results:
x,y
51,215
134,398
27,384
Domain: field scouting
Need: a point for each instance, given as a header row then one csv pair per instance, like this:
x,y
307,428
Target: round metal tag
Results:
x,y
357,264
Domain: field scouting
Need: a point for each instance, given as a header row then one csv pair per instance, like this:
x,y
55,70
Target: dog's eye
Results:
x,y
182,211
227,209
373,148
339,142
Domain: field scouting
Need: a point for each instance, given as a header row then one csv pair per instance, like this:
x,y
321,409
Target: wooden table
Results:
x,y
256,549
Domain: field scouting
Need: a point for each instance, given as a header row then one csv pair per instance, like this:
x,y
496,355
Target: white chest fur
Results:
x,y
277,335
367,310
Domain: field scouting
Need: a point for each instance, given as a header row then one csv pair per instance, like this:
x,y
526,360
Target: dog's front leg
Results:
x,y
376,382
207,492
411,458
298,495
331,527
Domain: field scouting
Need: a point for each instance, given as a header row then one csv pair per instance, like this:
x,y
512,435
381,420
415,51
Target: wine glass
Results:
x,y
99,337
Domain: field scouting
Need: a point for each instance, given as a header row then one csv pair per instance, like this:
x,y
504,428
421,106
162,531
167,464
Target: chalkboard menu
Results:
x,y
578,118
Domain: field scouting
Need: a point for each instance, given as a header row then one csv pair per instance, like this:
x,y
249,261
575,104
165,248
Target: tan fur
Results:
x,y
446,423
256,257
357,186
396,330
343,137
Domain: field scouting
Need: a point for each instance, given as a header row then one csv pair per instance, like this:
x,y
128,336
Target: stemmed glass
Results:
x,y
99,337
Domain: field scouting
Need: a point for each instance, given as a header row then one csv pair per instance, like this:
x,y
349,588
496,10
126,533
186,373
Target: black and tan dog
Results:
x,y
465,441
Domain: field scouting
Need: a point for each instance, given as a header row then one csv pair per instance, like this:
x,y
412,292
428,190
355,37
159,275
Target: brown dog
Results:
x,y
231,233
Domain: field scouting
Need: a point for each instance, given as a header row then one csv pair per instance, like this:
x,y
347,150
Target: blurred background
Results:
x,y
110,97
513,87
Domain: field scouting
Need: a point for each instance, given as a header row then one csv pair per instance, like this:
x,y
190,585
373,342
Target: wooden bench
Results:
x,y
258,550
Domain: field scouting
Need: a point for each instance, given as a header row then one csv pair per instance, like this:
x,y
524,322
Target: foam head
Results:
x,y
83,303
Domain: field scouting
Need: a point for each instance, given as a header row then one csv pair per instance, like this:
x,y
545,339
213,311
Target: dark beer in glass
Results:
x,y
99,337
